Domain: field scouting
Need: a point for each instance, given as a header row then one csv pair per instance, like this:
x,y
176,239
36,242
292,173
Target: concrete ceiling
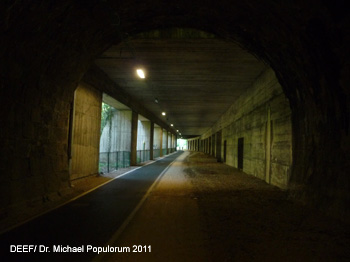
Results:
x,y
194,76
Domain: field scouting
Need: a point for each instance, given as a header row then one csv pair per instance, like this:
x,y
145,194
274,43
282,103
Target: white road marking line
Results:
x,y
79,196
120,230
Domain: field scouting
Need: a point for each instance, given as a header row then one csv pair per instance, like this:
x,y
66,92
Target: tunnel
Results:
x,y
266,77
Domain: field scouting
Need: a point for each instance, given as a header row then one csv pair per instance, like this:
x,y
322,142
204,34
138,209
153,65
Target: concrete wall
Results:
x,y
174,143
262,117
195,144
86,131
165,141
170,139
118,136
143,135
157,138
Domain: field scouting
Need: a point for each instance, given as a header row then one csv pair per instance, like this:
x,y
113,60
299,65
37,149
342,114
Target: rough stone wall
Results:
x,y
248,118
86,131
34,145
143,135
43,56
118,136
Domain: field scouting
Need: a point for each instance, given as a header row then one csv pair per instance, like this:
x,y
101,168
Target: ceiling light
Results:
x,y
177,130
140,73
171,125
163,113
156,100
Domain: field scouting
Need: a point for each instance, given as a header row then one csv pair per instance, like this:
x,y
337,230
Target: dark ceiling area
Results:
x,y
191,75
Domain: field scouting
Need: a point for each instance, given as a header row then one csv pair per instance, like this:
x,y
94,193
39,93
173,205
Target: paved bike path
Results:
x,y
89,220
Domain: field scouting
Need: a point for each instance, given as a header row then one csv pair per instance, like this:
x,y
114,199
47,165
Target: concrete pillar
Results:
x,y
167,141
151,142
161,142
134,122
172,142
85,132
209,145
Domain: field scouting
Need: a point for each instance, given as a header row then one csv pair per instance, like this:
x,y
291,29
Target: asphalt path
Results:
x,y
90,220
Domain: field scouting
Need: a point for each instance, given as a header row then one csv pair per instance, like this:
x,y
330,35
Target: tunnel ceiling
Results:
x,y
194,76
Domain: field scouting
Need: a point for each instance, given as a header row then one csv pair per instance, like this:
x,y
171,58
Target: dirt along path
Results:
x,y
249,220
202,210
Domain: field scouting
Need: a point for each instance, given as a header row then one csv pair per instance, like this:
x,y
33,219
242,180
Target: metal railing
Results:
x,y
110,161
142,156
156,153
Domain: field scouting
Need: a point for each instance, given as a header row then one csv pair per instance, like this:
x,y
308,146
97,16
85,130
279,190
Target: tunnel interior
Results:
x,y
49,50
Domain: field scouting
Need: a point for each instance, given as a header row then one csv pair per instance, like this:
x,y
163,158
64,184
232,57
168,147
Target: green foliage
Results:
x,y
106,115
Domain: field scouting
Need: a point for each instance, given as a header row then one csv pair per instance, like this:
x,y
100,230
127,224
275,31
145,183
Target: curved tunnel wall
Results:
x,y
46,48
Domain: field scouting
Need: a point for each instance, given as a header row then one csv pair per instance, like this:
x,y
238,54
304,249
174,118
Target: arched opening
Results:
x,y
305,44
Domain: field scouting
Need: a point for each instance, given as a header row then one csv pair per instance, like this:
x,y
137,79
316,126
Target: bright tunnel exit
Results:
x,y
181,144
